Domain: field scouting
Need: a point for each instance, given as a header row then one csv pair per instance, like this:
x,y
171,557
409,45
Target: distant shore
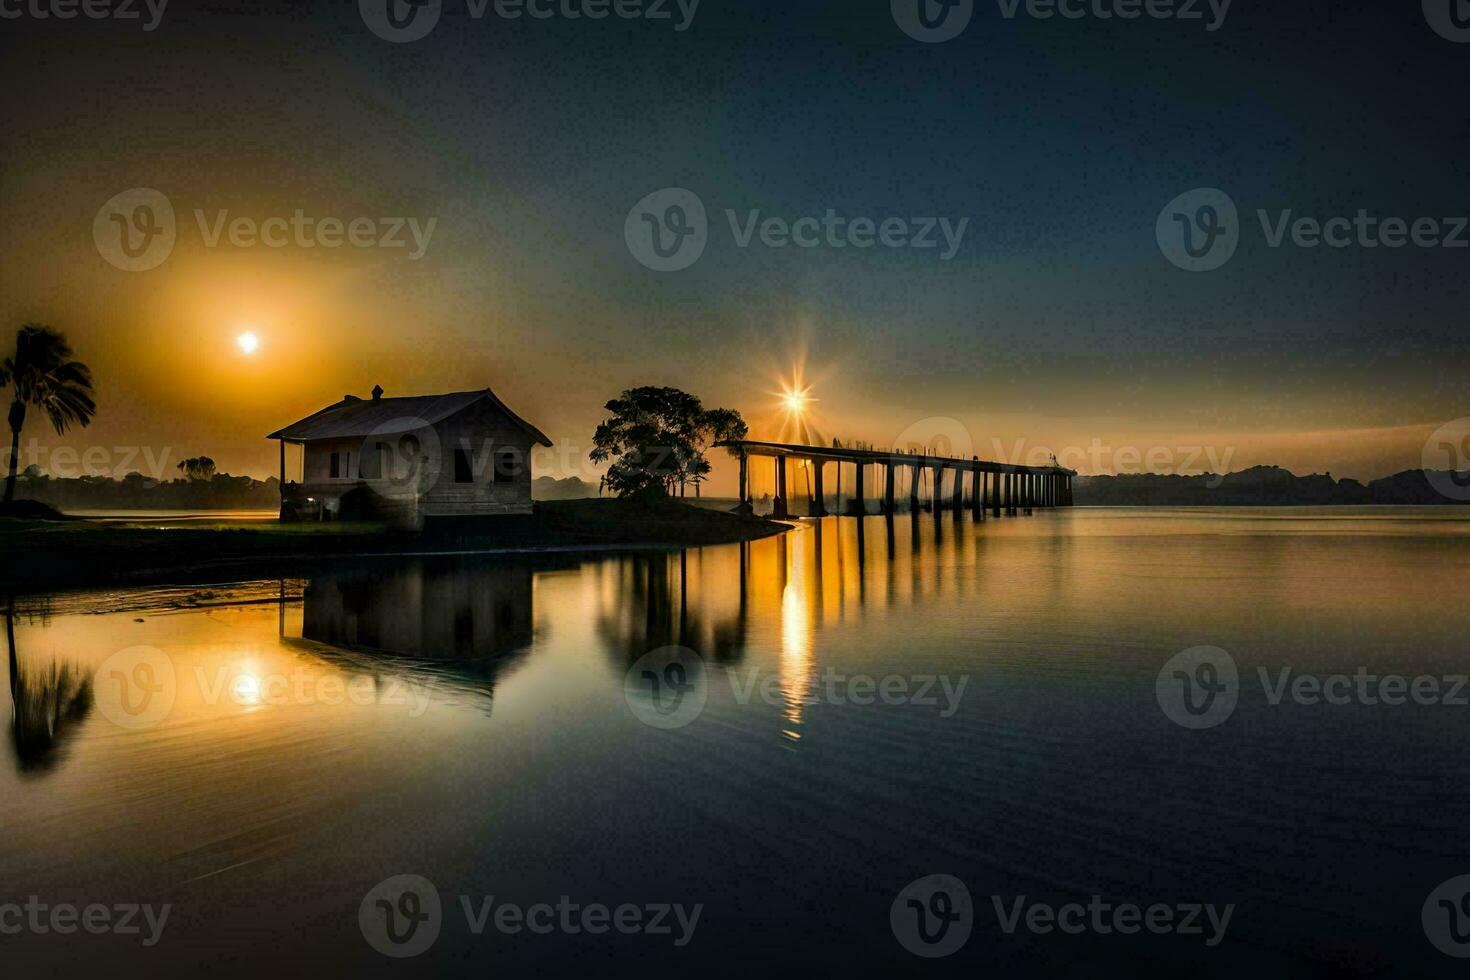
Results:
x,y
49,555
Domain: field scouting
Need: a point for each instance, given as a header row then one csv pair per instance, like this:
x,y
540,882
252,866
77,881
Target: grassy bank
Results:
x,y
40,555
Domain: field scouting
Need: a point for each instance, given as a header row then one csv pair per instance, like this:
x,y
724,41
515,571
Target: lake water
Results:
x,y
855,709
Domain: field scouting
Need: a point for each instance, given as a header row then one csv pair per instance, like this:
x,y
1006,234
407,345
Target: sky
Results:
x,y
501,171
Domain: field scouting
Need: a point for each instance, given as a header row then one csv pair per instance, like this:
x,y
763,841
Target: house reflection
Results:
x,y
453,621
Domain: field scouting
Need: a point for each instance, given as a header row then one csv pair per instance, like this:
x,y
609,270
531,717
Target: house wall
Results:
x,y
416,477
480,430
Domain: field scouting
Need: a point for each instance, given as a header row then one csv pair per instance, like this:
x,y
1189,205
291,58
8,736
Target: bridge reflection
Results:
x,y
773,596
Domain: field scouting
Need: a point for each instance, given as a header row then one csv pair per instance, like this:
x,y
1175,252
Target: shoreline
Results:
x,y
54,556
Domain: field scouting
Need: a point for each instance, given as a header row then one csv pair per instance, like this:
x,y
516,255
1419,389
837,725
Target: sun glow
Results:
x,y
248,342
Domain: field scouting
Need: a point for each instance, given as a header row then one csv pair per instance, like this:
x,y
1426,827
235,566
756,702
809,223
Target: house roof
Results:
x,y
352,416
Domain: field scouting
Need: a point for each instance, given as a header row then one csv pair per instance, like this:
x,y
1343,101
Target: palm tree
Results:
x,y
42,373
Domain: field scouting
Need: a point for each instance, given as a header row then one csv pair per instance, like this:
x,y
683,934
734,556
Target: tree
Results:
x,y
657,438
41,373
197,468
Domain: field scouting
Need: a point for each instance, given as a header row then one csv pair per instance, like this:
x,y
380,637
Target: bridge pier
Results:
x,y
819,508
778,505
744,507
859,506
913,488
888,476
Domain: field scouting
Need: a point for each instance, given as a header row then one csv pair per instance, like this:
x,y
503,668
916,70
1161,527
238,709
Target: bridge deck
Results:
x,y
1007,487
828,454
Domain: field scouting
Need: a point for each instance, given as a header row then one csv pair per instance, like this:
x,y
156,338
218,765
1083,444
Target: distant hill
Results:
x,y
547,488
1261,486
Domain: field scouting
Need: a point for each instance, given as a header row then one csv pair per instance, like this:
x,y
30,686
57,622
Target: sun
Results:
x,y
247,342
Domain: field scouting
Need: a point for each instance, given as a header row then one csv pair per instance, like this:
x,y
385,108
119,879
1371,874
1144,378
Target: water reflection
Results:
x,y
279,812
463,624
46,705
647,601
440,620
780,593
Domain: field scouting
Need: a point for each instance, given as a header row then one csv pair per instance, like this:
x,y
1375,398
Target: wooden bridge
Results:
x,y
996,487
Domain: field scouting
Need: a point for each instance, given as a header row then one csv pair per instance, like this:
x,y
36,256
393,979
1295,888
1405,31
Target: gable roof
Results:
x,y
353,417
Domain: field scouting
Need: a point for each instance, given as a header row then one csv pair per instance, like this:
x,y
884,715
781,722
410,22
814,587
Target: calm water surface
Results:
x,y
471,721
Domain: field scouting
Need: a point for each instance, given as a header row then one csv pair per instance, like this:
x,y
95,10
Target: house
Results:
x,y
405,460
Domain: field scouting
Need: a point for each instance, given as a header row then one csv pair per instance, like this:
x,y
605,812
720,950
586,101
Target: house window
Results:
x,y
507,465
374,462
336,466
462,470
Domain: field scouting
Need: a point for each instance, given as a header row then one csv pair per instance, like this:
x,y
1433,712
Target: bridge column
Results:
x,y
1011,493
744,507
977,493
819,508
778,506
914,488
993,491
859,490
888,476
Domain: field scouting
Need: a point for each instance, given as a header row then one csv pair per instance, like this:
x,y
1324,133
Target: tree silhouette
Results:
x,y
657,438
41,373
197,468
46,707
